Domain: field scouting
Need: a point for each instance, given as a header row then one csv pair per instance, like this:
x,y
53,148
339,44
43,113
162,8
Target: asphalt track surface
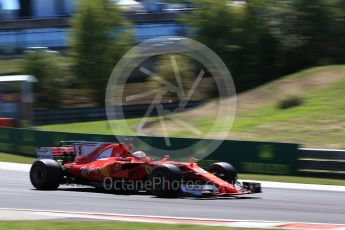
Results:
x,y
292,205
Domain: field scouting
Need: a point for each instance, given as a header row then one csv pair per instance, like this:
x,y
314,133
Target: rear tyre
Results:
x,y
165,180
46,174
224,171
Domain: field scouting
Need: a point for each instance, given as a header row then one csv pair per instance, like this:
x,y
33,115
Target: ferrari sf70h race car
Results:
x,y
115,167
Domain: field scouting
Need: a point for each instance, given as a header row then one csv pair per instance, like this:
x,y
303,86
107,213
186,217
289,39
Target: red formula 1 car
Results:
x,y
113,166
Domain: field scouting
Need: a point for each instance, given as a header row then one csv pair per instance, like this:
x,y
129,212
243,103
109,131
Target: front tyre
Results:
x,y
165,180
46,174
224,171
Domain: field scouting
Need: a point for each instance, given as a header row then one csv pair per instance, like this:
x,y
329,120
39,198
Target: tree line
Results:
x,y
262,40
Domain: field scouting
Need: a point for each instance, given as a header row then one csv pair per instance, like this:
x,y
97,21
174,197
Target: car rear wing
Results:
x,y
55,152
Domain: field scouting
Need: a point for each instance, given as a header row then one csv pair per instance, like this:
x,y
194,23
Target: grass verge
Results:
x,y
318,122
61,225
94,127
8,157
10,66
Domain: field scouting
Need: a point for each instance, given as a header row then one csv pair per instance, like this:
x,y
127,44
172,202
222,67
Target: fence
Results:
x,y
246,156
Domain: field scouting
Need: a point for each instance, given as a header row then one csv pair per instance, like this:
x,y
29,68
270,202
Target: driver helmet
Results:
x,y
139,155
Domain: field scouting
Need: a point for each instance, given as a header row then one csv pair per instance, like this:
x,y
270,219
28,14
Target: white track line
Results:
x,y
173,220
14,167
265,184
300,186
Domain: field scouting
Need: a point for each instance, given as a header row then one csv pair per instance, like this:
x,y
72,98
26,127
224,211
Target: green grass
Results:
x,y
94,127
319,122
78,225
10,66
8,157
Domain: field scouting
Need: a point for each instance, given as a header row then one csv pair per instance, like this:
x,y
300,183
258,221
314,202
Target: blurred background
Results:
x,y
286,58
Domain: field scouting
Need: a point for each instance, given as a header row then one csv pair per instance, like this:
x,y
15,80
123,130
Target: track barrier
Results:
x,y
246,156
